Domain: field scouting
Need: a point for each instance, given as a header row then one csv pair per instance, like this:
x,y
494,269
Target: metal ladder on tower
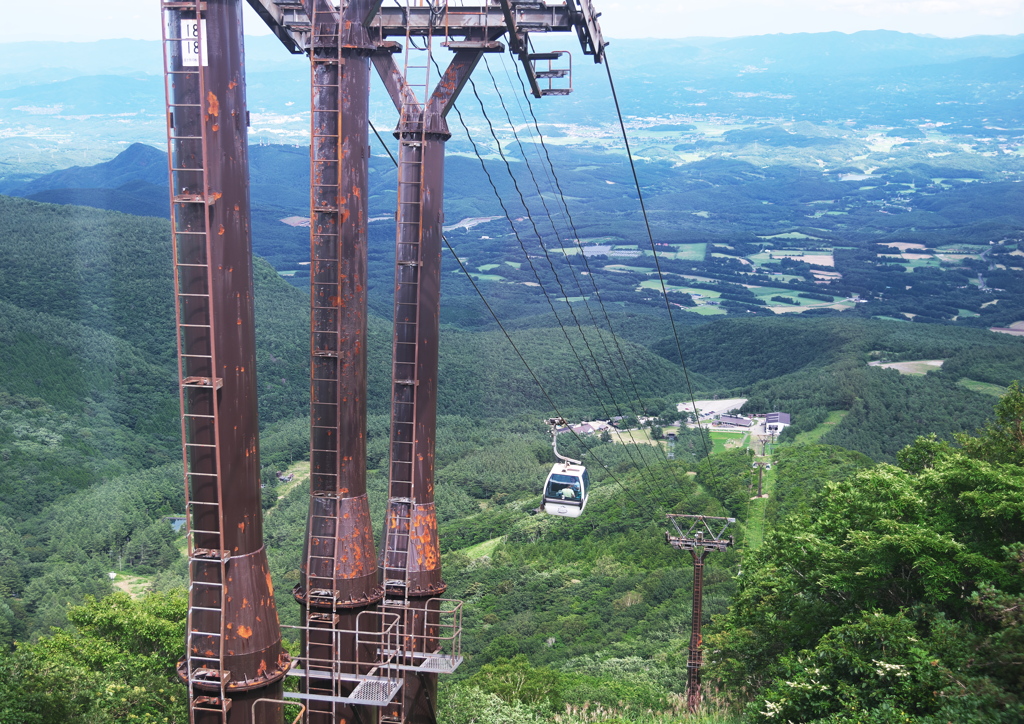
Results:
x,y
405,356
405,359
184,45
322,650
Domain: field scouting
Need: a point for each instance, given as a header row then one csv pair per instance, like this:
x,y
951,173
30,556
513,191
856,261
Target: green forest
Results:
x,y
879,581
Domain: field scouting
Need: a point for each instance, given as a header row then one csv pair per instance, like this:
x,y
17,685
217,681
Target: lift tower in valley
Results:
x,y
699,534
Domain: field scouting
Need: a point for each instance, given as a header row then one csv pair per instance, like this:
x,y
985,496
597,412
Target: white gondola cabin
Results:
x,y
568,484
565,491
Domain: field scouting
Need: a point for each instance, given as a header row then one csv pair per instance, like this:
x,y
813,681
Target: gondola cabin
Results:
x,y
566,490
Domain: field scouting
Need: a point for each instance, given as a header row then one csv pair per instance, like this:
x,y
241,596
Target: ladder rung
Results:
x,y
214,382
203,675
192,199
331,618
212,703
205,554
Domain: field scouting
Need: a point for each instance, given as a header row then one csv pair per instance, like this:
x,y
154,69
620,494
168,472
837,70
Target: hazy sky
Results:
x,y
76,20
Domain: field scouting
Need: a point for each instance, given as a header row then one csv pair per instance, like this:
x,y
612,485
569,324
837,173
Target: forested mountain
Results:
x,y
87,396
88,401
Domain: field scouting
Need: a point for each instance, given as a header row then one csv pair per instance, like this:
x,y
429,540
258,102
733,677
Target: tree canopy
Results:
x,y
895,596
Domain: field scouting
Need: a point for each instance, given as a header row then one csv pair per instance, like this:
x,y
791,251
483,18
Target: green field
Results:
x,y
766,293
985,388
485,277
890,319
705,293
915,263
723,440
706,310
913,367
756,511
688,252
624,268
790,235
483,549
633,437
813,436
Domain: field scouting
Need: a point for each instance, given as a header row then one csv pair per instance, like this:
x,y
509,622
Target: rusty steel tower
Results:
x,y
699,534
234,661
375,630
339,580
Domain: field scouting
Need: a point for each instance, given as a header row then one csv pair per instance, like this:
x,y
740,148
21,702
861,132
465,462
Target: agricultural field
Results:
x,y
910,367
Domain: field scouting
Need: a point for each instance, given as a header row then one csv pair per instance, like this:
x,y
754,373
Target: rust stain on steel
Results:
x,y
424,555
212,104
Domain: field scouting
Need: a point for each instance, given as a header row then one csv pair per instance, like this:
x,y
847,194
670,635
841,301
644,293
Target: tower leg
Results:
x,y
339,569
695,658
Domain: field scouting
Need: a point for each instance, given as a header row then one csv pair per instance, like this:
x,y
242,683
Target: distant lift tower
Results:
x,y
234,661
699,534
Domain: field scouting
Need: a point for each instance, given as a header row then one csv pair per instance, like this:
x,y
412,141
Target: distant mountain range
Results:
x,y
86,101
813,53
137,163
807,53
